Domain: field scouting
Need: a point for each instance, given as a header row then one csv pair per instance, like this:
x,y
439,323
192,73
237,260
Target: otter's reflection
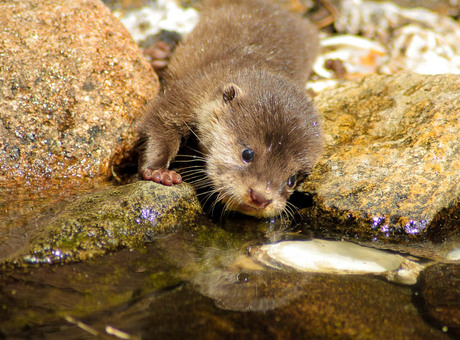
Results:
x,y
250,290
223,269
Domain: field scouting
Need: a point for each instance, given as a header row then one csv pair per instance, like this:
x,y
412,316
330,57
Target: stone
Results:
x,y
330,257
337,257
391,164
440,295
321,256
72,81
328,307
454,254
153,17
105,221
380,19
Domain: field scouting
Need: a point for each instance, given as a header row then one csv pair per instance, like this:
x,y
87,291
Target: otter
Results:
x,y
237,83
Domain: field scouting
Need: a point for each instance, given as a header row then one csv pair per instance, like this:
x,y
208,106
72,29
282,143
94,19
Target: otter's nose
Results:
x,y
258,199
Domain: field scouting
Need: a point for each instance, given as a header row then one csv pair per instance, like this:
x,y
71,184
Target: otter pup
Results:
x,y
237,84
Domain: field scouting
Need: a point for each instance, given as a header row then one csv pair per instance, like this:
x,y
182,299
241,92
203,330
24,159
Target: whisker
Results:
x,y
207,194
191,172
232,201
289,211
193,178
198,185
197,180
190,158
220,195
196,177
197,151
210,194
203,184
188,161
223,212
292,208
201,187
196,136
286,213
285,216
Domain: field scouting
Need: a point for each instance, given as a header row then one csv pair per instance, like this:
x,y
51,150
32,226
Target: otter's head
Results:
x,y
261,136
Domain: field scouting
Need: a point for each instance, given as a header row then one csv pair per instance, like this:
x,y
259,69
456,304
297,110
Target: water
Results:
x,y
202,282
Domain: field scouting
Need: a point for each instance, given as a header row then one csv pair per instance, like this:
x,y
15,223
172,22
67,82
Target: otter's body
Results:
x,y
237,82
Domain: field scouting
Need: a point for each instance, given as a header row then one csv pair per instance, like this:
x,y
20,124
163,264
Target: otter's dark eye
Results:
x,y
247,155
291,180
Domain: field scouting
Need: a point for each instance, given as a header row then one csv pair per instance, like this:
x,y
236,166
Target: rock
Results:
x,y
350,307
321,256
328,257
72,81
117,217
445,7
454,254
154,17
440,295
391,164
380,19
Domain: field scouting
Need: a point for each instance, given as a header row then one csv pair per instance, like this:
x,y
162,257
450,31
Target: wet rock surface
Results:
x,y
72,81
309,316
338,257
391,165
440,295
117,217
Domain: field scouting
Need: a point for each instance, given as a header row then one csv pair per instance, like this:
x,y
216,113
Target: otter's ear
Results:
x,y
230,92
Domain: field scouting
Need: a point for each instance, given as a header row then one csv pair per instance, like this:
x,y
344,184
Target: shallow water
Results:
x,y
203,283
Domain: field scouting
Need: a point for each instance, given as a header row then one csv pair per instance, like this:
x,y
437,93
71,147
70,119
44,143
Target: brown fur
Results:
x,y
237,82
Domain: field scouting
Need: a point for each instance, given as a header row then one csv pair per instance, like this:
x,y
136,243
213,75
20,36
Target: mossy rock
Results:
x,y
117,217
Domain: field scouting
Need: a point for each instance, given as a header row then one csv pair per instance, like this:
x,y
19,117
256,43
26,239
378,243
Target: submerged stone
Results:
x,y
440,295
338,257
331,256
325,307
391,164
454,254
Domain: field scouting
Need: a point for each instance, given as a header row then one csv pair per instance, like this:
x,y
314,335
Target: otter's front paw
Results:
x,y
163,176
